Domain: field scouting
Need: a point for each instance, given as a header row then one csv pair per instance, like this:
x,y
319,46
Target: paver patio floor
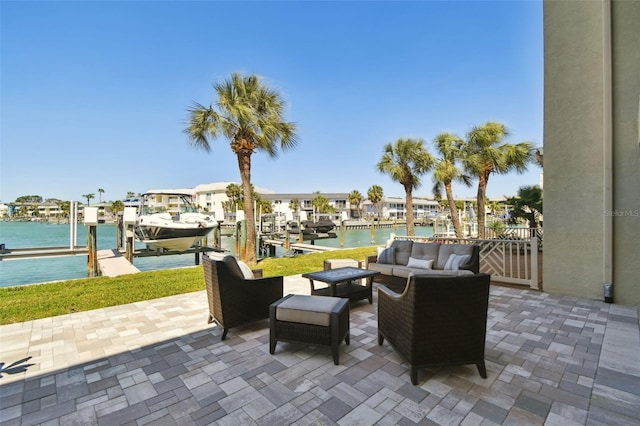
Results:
x,y
550,360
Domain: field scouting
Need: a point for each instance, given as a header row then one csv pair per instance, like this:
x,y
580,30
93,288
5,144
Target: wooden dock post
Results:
x,y
130,248
287,243
91,221
128,222
343,226
373,231
92,257
119,231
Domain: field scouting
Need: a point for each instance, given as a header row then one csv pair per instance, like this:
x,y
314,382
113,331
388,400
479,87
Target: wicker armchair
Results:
x,y
436,321
234,300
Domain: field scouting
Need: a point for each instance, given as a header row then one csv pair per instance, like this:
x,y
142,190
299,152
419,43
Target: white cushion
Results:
x,y
246,271
341,263
420,263
455,260
216,255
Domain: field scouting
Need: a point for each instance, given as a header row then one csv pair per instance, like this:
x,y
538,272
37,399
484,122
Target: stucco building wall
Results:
x,y
592,148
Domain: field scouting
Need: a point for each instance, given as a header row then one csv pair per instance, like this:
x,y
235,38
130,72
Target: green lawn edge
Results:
x,y
32,302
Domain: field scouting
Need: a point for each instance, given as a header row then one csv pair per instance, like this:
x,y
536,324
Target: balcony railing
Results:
x,y
517,261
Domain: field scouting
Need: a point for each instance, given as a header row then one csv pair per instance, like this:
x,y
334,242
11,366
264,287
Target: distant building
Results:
x,y
210,197
395,208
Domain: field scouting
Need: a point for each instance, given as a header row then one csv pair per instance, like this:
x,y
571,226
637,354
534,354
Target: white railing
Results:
x,y
514,233
508,261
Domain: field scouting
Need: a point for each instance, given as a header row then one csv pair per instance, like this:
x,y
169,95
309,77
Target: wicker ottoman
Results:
x,y
316,320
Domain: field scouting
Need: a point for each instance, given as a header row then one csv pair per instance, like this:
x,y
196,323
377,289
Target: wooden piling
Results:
x,y
373,231
92,257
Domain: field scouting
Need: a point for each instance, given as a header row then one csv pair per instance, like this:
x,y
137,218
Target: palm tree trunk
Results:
x,y
410,228
482,190
453,209
244,164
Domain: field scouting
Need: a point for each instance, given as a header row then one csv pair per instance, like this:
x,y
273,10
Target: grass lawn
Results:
x,y
30,302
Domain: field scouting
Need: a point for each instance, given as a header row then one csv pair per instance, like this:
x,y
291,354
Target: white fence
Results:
x,y
508,261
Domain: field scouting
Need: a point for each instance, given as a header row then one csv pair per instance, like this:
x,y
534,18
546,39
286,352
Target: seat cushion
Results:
x,y
383,268
341,263
307,309
405,272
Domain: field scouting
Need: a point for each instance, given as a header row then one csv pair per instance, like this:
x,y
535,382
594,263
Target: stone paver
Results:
x,y
550,360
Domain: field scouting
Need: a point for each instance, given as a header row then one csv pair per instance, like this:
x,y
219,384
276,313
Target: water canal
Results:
x,y
33,234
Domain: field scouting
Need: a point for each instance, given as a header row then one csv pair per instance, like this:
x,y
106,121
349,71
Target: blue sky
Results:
x,y
94,94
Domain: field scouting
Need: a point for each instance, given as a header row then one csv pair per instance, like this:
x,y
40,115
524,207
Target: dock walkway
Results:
x,y
299,246
112,264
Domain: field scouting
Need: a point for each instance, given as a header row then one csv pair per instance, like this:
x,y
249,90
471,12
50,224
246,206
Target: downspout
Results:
x,y
607,128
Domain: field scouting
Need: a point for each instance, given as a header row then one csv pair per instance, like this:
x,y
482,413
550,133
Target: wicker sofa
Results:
x,y
235,299
405,257
436,321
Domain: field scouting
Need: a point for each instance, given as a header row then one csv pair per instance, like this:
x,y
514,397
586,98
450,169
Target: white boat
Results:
x,y
177,227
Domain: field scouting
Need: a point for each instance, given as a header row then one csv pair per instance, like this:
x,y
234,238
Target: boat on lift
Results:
x,y
321,225
175,228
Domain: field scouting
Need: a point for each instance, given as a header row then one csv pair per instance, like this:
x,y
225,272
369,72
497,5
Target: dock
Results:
x,y
298,246
112,264
35,252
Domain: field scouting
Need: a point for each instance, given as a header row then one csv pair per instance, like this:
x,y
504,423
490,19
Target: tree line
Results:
x,y
250,115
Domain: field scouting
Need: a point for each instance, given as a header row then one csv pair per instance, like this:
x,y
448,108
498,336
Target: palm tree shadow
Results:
x,y
15,367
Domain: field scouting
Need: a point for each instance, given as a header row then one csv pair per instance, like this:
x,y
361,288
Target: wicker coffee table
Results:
x,y
343,282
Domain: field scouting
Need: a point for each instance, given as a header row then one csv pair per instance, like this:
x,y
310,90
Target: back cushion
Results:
x,y
426,251
447,249
232,266
403,251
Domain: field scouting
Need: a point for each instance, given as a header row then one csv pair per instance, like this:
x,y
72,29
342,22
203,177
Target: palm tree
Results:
x,y
355,198
89,197
130,194
321,204
264,206
294,205
446,172
117,206
100,192
250,115
405,161
527,204
486,153
375,195
234,193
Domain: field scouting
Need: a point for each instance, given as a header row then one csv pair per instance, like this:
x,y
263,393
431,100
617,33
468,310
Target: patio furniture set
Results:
x,y
433,320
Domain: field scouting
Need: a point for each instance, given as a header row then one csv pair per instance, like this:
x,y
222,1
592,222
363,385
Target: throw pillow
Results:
x,y
420,263
455,260
388,256
246,271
